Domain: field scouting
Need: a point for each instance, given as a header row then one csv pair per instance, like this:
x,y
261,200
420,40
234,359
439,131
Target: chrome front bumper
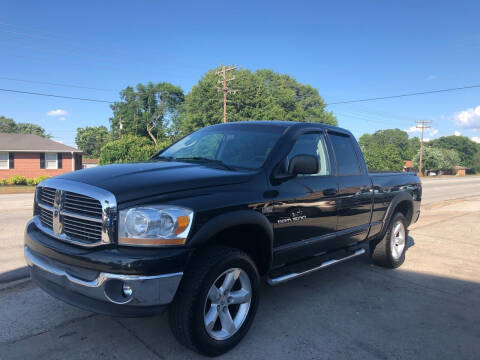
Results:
x,y
132,291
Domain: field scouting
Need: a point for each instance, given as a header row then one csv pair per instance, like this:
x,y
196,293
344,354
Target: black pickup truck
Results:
x,y
201,223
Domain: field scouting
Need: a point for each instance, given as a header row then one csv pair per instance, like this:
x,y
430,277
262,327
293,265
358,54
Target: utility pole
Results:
x,y
421,124
225,89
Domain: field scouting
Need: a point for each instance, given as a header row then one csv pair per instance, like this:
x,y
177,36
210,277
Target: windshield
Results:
x,y
237,148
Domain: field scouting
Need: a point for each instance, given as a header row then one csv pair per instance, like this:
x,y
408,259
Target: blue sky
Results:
x,y
346,49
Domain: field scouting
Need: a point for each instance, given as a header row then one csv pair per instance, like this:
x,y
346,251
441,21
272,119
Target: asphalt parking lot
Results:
x,y
427,309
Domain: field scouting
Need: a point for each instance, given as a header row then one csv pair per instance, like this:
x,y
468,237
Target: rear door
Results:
x,y
354,200
305,214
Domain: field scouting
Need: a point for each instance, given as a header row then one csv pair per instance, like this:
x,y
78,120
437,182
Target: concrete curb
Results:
x,y
14,275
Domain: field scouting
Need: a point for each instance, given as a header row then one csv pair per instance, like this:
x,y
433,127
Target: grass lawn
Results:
x,y
16,189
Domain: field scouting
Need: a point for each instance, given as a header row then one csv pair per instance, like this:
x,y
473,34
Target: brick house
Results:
x,y
32,155
89,163
408,165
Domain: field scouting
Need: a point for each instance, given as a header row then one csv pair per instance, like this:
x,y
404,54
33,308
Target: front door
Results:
x,y
305,213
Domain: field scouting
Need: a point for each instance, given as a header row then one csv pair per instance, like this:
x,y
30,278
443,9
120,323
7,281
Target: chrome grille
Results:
x,y
47,196
74,216
81,204
82,229
46,217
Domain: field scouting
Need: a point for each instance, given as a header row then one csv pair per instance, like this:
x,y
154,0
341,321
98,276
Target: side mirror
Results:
x,y
303,164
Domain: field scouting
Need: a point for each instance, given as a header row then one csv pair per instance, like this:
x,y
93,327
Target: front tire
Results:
x,y
216,302
390,250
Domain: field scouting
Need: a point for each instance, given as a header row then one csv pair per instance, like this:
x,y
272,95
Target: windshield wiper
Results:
x,y
207,160
166,158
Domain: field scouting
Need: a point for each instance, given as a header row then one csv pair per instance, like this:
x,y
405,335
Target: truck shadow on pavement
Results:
x,y
352,310
14,275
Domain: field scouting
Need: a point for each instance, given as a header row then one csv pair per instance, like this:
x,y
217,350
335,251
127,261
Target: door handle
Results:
x,y
330,192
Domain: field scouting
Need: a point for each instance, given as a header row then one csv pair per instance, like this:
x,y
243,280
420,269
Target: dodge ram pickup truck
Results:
x,y
199,225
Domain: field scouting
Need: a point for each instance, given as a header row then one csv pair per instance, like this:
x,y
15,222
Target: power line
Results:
x,y
56,96
357,108
402,95
55,84
361,117
37,57
226,90
98,47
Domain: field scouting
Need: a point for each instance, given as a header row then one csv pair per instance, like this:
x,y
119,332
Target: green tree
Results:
x,y
28,128
437,159
412,148
262,95
8,125
465,148
90,139
149,110
388,149
476,162
129,148
383,158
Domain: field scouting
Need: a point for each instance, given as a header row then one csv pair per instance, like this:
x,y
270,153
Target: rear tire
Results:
x,y
390,250
219,288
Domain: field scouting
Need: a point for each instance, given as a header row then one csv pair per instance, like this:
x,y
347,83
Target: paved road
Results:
x,y
427,309
449,188
15,210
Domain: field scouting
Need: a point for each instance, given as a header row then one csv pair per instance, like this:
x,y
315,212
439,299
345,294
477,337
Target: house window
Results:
x,y
4,163
51,161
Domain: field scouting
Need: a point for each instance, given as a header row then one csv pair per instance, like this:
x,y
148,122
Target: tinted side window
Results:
x,y
347,161
312,144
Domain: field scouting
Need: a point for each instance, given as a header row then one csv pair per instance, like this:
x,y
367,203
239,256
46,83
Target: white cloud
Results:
x,y
457,133
469,118
476,139
62,118
58,112
414,130
426,139
431,77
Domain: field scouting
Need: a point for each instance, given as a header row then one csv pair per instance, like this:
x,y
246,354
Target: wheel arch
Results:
x,y
403,203
246,230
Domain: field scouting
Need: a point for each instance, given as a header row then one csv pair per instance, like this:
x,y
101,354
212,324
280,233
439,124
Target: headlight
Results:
x,y
154,225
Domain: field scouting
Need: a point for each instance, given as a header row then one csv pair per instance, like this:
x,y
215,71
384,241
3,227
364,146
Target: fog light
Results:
x,y
118,291
127,290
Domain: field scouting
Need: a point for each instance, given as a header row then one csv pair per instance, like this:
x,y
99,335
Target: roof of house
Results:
x,y
31,143
408,163
89,161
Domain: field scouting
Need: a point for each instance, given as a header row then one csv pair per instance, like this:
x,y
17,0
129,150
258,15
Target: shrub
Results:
x,y
128,149
17,180
22,180
39,179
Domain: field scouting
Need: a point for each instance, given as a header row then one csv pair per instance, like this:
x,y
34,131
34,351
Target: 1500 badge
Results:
x,y
295,216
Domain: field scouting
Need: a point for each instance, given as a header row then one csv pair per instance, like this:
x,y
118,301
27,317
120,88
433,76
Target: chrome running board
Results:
x,y
293,275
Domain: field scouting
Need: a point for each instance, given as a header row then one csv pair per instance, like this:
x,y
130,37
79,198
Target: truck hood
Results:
x,y
134,181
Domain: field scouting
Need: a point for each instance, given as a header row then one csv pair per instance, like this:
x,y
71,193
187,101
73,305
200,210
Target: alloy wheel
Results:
x,y
227,304
397,240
